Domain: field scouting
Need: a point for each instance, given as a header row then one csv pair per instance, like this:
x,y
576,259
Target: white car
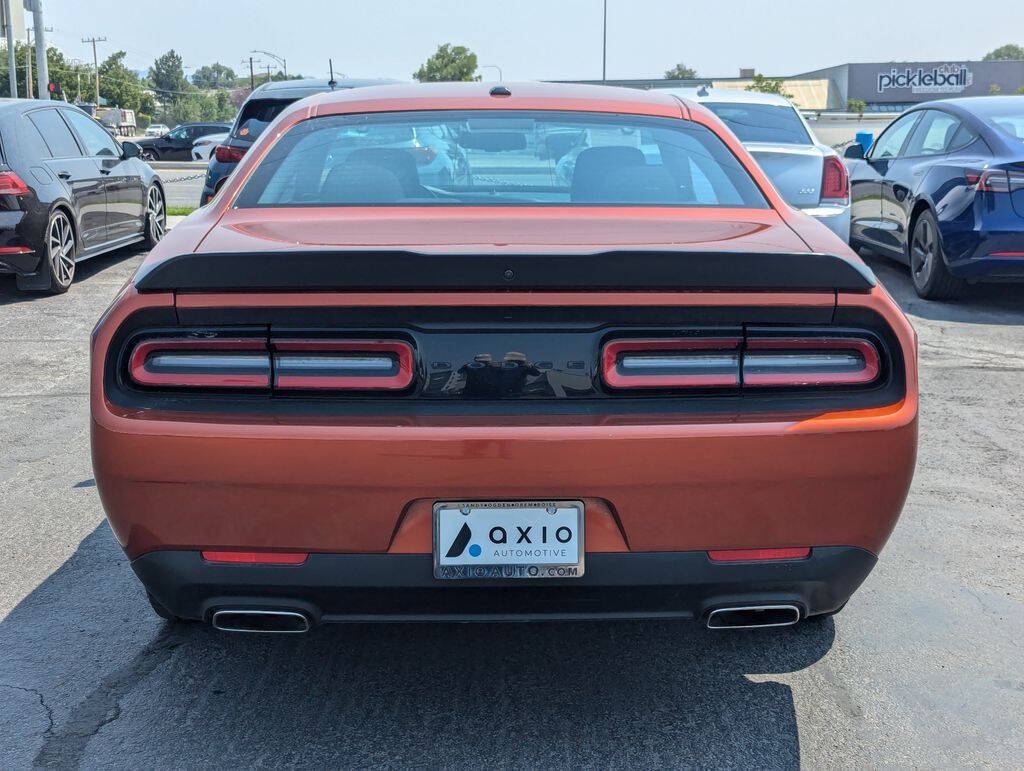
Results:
x,y
156,130
204,146
809,175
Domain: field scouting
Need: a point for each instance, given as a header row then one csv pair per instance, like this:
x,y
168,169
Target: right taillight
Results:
x,y
12,184
994,180
810,361
228,154
835,183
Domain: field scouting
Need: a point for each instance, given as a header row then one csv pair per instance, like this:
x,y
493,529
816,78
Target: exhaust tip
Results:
x,y
260,621
753,617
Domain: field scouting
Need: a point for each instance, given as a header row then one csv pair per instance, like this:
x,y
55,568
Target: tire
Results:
x,y
156,217
928,269
61,251
150,155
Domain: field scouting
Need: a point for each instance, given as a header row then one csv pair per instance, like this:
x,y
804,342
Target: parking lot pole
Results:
x,y
12,64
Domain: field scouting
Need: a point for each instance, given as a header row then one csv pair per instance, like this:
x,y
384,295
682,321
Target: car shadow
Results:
x,y
84,271
102,679
979,304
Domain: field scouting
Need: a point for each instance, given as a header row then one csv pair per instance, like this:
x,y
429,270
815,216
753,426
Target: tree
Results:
x,y
214,75
1003,53
768,86
856,105
995,89
680,72
63,74
1020,91
120,86
447,64
168,76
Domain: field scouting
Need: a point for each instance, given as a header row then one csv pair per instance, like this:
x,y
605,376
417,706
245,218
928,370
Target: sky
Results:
x,y
538,39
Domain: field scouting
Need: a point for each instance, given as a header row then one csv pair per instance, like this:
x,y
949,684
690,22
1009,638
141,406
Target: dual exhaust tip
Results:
x,y
753,616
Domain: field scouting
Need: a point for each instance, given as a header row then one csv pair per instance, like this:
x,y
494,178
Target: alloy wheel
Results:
x,y
922,250
61,248
156,214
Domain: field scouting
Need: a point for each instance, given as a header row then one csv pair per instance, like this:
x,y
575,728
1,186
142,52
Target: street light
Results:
x,y
492,67
279,59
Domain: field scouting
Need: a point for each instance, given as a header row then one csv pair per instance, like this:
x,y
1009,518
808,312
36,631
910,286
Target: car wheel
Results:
x,y
928,269
156,217
61,250
150,155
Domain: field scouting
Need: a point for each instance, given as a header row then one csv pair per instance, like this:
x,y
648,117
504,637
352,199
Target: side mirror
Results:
x,y
854,151
130,150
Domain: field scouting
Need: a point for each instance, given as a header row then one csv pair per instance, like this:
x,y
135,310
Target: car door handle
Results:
x,y
64,174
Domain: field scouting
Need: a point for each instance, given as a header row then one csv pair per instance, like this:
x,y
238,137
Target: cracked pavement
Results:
x,y
923,668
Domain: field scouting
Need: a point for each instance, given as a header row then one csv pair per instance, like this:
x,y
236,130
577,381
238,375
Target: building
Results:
x,y
882,86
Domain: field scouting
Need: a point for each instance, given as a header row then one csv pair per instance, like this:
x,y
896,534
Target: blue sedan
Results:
x,y
942,190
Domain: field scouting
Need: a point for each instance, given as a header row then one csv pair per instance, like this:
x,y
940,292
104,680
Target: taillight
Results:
x,y
423,156
228,154
753,362
12,184
201,363
811,361
835,183
672,363
994,180
342,364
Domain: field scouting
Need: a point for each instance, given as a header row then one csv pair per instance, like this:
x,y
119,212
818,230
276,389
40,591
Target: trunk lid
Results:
x,y
794,169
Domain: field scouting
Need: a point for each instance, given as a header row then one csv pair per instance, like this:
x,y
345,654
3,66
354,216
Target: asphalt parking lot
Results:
x,y
923,668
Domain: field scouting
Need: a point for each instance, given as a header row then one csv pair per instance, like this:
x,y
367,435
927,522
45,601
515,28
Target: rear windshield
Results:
x,y
489,157
256,115
1009,123
776,123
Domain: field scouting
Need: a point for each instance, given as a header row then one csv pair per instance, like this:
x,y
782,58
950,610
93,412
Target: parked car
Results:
x,y
942,190
176,144
810,175
260,108
68,191
203,147
156,130
325,397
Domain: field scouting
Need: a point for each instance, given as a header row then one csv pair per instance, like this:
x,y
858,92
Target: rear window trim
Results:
x,y
582,114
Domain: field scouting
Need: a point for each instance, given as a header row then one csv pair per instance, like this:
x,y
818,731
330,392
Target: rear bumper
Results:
x,y
835,218
401,587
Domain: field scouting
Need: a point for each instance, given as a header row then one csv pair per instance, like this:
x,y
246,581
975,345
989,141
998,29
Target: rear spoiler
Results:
x,y
362,270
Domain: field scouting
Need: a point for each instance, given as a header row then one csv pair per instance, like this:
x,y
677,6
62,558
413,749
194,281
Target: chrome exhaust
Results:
x,y
260,621
753,616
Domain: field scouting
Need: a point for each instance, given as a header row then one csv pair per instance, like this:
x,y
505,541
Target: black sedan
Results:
x,y
68,192
176,144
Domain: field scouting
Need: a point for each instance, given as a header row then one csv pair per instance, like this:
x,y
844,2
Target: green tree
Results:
x,y
62,73
120,86
168,76
768,86
680,72
1004,53
856,105
995,89
447,64
214,75
1020,91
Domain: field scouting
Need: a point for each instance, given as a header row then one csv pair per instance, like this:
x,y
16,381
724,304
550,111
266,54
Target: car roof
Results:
x,y
981,106
731,95
477,96
297,89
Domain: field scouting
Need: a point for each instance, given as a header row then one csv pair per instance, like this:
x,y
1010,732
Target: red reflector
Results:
x,y
1007,254
201,363
754,555
835,184
257,557
226,154
342,364
672,363
810,361
12,184
15,250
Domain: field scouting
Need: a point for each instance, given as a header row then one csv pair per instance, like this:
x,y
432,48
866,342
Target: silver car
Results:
x,y
808,174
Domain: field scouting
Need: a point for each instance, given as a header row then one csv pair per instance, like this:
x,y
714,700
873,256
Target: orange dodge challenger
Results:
x,y
516,352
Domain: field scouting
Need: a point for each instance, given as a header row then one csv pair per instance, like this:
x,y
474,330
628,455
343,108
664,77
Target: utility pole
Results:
x,y
42,66
95,63
12,64
269,76
604,45
28,64
252,74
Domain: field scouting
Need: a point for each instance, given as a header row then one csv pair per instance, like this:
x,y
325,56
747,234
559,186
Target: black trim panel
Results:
x,y
401,587
345,269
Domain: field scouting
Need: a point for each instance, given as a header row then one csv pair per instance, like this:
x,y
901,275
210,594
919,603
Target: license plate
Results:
x,y
508,539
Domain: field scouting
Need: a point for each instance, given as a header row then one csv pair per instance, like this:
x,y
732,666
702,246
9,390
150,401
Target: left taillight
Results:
x,y
201,363
12,184
835,182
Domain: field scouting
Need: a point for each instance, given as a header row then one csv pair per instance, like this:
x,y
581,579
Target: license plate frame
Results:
x,y
483,512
